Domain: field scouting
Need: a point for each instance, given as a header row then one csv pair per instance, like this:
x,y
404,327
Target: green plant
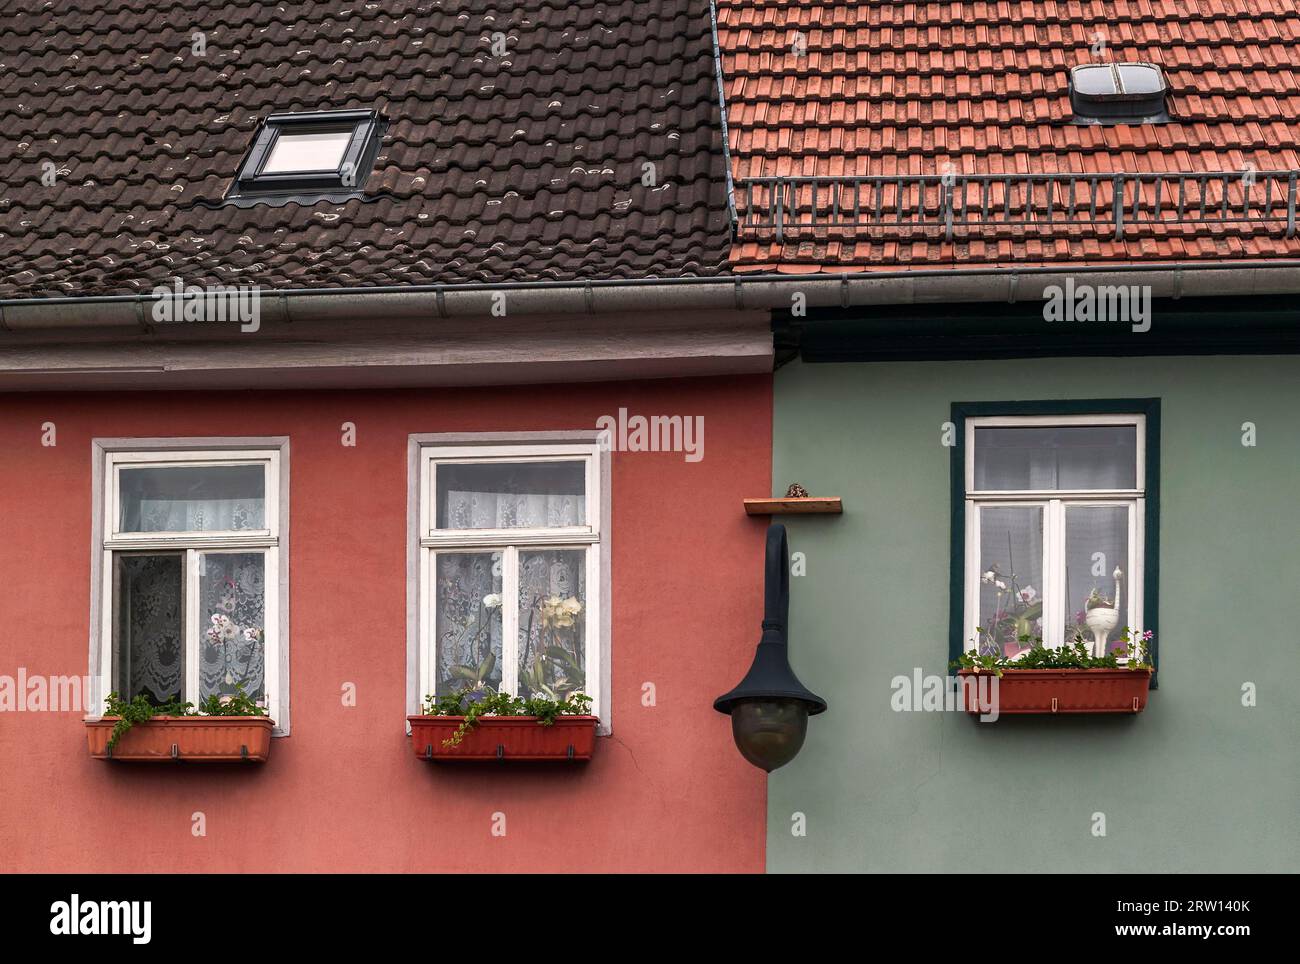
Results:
x,y
472,704
141,710
1096,600
1073,655
1017,609
238,703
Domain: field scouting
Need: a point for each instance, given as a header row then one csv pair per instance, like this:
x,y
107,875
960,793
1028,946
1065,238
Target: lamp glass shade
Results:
x,y
769,732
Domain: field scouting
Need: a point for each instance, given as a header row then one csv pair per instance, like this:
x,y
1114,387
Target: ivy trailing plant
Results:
x,y
1073,655
141,710
473,704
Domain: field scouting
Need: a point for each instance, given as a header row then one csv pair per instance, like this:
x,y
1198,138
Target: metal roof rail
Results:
x,y
800,207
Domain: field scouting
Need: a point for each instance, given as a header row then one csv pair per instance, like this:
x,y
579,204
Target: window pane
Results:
x,y
1096,543
1056,457
508,495
149,643
468,624
232,614
192,498
1140,79
1094,80
552,622
321,151
1011,577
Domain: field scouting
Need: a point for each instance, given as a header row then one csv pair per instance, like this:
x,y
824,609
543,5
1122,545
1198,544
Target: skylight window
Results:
x,y
1127,93
307,152
308,157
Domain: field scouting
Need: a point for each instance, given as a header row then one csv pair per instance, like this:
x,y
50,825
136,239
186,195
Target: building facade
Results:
x,y
353,357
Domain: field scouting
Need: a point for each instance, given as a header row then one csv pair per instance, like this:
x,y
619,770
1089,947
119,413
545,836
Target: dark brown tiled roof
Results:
x,y
843,88
523,167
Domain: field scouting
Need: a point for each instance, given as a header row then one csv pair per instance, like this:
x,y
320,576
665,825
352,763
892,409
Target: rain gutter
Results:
x,y
738,292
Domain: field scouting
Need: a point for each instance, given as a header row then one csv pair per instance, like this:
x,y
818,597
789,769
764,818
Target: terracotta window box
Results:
x,y
184,739
504,738
1063,690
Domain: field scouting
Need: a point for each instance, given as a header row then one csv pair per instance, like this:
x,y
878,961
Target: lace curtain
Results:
x,y
552,621
232,605
192,498
468,626
526,494
210,515
150,634
552,605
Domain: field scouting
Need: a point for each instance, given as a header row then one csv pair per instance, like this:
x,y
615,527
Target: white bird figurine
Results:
x,y
1102,620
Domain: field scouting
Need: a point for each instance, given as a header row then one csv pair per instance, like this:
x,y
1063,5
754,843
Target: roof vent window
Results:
x,y
1129,93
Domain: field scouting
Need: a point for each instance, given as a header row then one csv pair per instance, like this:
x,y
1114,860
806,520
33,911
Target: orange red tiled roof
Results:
x,y
840,88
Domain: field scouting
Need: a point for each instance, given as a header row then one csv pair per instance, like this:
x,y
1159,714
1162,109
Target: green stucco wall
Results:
x,y
1197,782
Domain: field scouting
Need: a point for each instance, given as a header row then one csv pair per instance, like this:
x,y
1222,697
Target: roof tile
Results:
x,y
912,86
527,167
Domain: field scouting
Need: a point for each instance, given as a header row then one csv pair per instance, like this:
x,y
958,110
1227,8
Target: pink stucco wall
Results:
x,y
344,792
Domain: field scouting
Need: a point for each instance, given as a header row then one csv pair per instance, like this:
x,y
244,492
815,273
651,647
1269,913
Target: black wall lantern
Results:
x,y
770,708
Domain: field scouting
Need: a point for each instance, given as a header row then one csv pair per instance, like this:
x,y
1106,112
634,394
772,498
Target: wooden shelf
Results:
x,y
828,505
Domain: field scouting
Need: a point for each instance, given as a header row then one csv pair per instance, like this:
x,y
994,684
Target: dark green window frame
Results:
x,y
1148,407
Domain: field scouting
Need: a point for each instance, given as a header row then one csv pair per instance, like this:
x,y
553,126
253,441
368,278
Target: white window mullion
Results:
x,y
591,631
192,631
971,642
428,660
1054,602
510,620
1137,565
271,628
107,683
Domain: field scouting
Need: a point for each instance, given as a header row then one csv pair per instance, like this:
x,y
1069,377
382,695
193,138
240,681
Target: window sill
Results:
x,y
184,739
1056,691
569,739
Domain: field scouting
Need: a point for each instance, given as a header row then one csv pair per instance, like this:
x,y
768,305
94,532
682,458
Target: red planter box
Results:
x,y
504,738
1063,690
184,739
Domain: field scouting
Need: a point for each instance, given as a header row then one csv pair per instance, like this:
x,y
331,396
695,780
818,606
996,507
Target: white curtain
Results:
x,y
232,647
510,510
1096,541
186,498
511,495
1011,598
469,621
198,515
150,635
552,621
1065,457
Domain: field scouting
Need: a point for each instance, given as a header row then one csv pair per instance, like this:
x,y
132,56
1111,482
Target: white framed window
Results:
x,y
189,594
1055,510
511,558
